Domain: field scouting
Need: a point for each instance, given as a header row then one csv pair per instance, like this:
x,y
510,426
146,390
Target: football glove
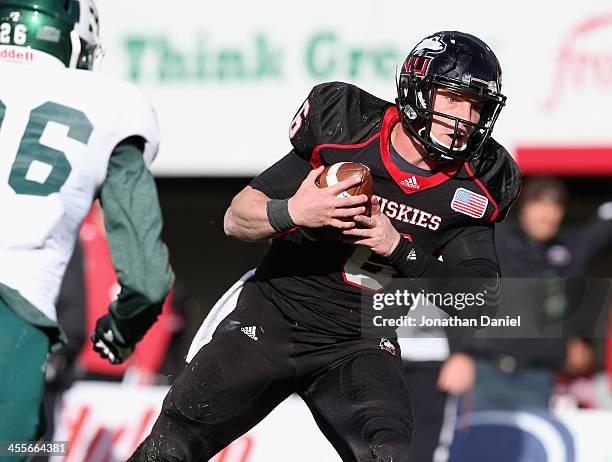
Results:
x,y
108,341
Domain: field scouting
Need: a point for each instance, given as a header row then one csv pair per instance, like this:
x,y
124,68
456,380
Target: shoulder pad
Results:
x,y
338,113
500,174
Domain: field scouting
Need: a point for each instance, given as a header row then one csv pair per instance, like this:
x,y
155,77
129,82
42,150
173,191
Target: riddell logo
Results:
x,y
17,55
410,182
584,61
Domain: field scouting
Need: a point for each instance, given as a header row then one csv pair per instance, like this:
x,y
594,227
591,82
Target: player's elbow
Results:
x,y
229,224
234,224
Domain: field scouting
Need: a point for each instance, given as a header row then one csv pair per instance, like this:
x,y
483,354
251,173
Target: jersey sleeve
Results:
x,y
305,130
282,180
138,118
133,222
500,175
470,254
468,266
335,112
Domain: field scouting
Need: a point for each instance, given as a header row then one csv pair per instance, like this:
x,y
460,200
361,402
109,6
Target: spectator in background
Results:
x,y
514,373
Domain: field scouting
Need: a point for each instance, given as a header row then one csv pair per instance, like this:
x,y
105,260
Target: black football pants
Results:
x,y
257,357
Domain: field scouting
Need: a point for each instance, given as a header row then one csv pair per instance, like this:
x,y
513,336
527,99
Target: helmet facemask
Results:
x,y
87,52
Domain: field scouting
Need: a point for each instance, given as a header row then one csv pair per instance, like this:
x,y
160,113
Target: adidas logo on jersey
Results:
x,y
411,183
250,331
411,255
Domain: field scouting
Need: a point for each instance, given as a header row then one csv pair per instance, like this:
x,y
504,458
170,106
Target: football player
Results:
x,y
67,137
441,182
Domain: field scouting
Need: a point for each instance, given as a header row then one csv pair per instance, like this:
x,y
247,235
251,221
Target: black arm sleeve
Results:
x,y
469,266
282,180
133,222
470,254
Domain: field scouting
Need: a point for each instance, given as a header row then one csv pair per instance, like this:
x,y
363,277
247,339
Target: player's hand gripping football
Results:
x,y
376,231
314,207
108,342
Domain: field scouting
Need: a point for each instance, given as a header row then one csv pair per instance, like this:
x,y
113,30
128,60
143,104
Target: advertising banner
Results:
x,y
105,422
227,79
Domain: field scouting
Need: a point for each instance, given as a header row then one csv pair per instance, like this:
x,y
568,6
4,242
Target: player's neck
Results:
x,y
410,149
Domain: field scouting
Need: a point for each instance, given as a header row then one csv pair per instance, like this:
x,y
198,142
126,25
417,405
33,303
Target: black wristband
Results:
x,y
404,257
278,215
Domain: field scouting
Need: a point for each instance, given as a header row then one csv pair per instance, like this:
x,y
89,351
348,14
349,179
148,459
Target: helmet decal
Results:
x,y
433,44
422,54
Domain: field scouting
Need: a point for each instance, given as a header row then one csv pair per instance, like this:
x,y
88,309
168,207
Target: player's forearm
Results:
x,y
247,218
133,224
411,261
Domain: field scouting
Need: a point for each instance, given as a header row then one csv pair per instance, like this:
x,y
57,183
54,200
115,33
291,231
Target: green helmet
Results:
x,y
65,29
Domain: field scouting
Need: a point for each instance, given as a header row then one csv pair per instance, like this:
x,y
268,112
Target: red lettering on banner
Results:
x,y
99,442
116,437
93,449
75,429
227,455
149,415
582,68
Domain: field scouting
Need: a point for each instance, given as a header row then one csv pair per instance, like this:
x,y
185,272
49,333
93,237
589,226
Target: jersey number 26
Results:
x,y
40,170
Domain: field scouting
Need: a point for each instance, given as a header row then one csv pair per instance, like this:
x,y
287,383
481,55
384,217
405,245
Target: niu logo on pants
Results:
x,y
386,345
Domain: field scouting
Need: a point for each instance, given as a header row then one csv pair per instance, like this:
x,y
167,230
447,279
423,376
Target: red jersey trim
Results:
x,y
405,180
315,159
495,207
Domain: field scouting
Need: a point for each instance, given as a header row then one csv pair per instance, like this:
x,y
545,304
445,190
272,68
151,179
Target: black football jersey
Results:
x,y
338,123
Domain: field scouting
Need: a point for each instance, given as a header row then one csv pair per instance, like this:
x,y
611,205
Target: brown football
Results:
x,y
333,174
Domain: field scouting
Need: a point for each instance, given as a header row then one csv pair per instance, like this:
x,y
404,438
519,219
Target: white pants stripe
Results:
x,y
222,308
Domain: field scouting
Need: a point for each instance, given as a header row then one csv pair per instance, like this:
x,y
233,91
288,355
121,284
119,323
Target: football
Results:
x,y
333,174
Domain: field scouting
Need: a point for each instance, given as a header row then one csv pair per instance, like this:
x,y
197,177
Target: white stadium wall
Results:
x,y
227,79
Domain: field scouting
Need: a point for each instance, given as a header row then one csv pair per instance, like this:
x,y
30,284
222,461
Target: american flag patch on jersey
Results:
x,y
469,203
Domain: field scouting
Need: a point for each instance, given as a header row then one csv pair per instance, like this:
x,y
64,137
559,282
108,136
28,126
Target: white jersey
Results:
x,y
58,128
